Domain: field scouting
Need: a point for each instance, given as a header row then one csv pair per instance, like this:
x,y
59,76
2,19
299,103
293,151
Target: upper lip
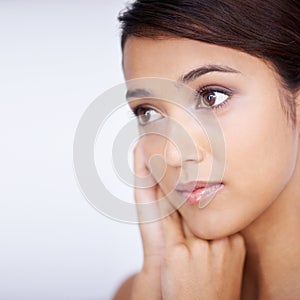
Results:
x,y
194,185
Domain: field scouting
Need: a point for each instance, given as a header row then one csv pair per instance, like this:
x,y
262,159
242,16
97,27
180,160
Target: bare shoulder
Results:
x,y
124,291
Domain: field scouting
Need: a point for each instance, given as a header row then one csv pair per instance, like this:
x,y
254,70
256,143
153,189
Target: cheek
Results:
x,y
261,151
261,155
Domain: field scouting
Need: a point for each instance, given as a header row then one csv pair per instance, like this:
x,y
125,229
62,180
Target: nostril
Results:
x,y
175,155
198,156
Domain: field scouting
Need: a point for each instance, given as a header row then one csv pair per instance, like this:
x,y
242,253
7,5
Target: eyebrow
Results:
x,y
138,93
194,74
186,78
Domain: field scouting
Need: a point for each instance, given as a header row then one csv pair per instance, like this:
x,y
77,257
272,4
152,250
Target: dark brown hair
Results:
x,y
268,29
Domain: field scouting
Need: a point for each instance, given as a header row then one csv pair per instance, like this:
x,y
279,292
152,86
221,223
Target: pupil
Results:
x,y
210,99
146,116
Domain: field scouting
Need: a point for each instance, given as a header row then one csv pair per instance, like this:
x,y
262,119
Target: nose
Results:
x,y
182,145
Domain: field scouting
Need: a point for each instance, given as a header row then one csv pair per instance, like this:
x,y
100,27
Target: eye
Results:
x,y
146,115
212,97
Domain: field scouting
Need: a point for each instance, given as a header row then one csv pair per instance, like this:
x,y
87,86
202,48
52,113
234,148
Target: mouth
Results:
x,y
199,192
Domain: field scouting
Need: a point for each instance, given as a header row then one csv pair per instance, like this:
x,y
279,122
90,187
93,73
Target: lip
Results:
x,y
199,192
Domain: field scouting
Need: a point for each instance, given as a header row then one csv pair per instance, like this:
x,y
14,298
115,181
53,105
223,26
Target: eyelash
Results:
x,y
142,107
198,93
211,89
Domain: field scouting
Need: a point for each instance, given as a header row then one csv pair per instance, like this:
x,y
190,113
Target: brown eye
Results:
x,y
146,115
209,98
212,97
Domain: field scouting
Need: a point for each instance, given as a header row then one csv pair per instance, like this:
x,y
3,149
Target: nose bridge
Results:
x,y
183,142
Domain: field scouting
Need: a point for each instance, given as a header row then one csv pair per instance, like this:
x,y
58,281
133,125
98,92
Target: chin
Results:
x,y
212,234
212,223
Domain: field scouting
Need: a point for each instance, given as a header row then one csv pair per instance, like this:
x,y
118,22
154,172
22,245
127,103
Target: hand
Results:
x,y
193,268
179,265
147,284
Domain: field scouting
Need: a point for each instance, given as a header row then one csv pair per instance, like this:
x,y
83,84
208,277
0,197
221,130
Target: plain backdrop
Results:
x,y
56,57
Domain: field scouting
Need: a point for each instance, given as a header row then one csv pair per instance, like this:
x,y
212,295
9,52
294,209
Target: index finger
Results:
x,y
172,228
151,232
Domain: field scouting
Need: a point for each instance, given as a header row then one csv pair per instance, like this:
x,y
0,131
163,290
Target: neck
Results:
x,y
272,266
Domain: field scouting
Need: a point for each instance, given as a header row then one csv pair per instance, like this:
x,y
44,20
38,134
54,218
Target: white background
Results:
x,y
56,57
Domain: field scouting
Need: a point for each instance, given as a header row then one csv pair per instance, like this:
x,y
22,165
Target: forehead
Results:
x,y
171,57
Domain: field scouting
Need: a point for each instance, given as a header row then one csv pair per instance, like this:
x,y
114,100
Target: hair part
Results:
x,y
268,29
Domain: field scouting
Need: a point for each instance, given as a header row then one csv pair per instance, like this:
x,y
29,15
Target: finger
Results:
x,y
172,230
237,243
147,209
143,177
187,231
147,191
144,192
165,206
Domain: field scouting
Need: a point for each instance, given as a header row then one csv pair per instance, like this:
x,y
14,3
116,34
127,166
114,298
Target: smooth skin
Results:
x,y
200,253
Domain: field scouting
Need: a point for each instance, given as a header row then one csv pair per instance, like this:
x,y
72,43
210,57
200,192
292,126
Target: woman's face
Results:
x,y
244,95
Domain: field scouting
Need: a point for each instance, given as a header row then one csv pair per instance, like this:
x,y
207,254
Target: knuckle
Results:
x,y
237,242
220,245
176,253
199,246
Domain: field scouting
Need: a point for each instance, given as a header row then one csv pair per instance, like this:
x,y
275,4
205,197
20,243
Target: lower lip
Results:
x,y
202,195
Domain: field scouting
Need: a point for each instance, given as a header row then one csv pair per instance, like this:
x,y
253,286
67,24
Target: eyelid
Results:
x,y
213,88
146,107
